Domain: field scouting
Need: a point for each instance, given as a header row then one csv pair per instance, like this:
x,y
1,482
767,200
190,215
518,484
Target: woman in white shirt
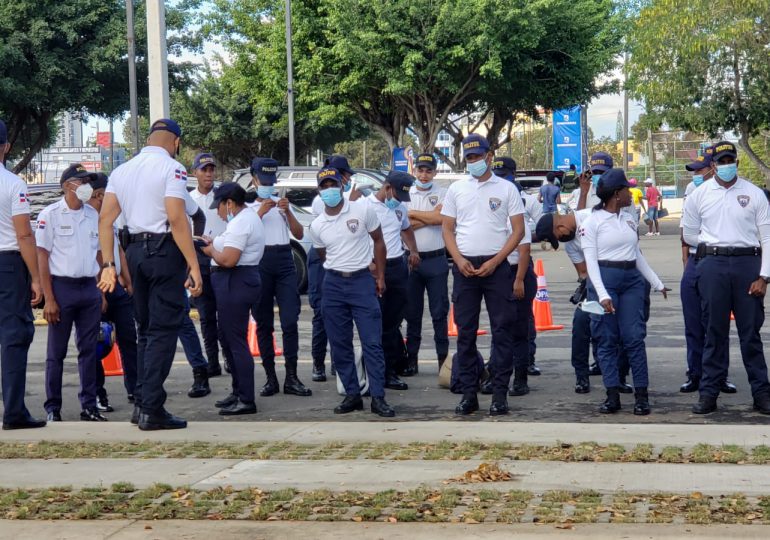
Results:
x,y
237,285
617,270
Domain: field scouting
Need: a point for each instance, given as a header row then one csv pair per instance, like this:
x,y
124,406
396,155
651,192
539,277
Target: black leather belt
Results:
x,y
74,280
348,274
732,251
432,254
147,237
10,252
623,265
277,248
215,269
394,261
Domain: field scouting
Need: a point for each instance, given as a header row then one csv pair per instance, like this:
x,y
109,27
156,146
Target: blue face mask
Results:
x,y
423,185
478,168
331,196
392,204
347,187
595,179
265,192
697,179
230,217
728,172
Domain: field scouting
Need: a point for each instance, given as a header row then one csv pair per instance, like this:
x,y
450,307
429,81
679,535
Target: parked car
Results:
x,y
533,179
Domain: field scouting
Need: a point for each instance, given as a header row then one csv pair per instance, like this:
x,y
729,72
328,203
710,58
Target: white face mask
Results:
x,y
591,306
84,192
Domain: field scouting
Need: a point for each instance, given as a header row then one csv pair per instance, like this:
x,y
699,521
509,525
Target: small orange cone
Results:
x,y
732,316
112,363
453,326
251,337
541,306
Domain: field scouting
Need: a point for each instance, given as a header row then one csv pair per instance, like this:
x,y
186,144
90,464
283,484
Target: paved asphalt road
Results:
x,y
552,397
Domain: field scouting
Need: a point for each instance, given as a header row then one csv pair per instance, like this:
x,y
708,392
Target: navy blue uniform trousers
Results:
x,y
497,292
158,274
80,303
431,275
582,342
315,279
16,333
522,311
347,300
279,284
206,304
393,308
237,290
120,312
191,342
723,285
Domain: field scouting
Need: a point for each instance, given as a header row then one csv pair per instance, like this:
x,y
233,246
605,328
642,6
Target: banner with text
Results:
x,y
567,130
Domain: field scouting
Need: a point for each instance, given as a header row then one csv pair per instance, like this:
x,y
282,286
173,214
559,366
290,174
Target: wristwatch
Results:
x,y
766,278
108,264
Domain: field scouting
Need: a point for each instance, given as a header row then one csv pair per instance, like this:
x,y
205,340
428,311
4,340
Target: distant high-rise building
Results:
x,y
619,128
70,132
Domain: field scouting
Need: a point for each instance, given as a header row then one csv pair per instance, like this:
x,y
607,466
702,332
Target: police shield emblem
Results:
x,y
399,214
352,225
433,199
632,225
494,203
743,200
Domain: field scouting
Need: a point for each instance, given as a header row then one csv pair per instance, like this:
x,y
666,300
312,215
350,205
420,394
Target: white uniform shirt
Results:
x,y
275,222
736,216
345,237
392,223
142,185
483,212
13,202
115,247
246,233
514,257
429,237
71,237
573,248
591,201
687,192
214,224
606,236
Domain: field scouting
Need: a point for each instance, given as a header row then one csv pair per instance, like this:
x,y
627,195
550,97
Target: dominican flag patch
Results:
x,y
41,225
179,174
23,197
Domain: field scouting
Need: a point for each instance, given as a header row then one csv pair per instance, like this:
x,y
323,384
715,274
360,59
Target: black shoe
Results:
x,y
762,403
350,404
532,369
728,388
520,387
705,405
594,369
319,371
271,387
214,370
238,407
135,415
612,403
54,416
394,383
468,405
165,420
486,387
130,398
411,368
229,400
292,385
228,367
625,388
582,385
692,385
499,407
92,414
200,386
103,405
380,407
642,403
28,423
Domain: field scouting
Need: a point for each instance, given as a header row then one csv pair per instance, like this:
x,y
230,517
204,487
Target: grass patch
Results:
x,y
702,453
671,454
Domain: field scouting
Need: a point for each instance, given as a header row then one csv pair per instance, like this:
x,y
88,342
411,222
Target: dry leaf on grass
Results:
x,y
486,472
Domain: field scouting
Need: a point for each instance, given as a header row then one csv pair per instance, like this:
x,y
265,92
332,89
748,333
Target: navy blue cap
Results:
x,y
426,160
339,162
613,179
544,231
98,180
702,161
475,144
503,166
74,172
166,124
401,183
265,169
601,162
329,173
203,159
227,191
724,148
3,133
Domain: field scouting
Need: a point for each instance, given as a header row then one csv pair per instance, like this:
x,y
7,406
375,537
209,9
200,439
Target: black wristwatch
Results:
x,y
108,264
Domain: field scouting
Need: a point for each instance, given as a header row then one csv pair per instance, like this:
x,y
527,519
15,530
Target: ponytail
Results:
x,y
250,197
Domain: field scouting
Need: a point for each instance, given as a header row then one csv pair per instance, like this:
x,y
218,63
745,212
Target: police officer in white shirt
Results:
x,y
388,204
345,235
600,163
204,170
67,244
150,191
236,279
728,219
617,270
433,272
19,290
479,214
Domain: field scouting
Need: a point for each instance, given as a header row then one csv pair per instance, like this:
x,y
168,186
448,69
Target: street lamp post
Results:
x,y
133,107
157,65
290,89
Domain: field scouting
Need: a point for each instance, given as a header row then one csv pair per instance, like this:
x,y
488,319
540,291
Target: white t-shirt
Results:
x,y
573,248
142,185
71,237
514,257
591,201
482,211
687,192
345,237
244,232
13,202
275,222
392,223
214,224
429,237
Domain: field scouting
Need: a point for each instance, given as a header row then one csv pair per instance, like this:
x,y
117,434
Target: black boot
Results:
x,y
705,405
624,387
272,386
612,403
642,405
214,369
594,369
520,387
392,382
200,386
319,370
292,385
532,369
692,385
411,368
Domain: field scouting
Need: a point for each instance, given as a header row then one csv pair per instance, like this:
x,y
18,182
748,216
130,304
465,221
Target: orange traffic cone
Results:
x,y
251,338
453,326
541,306
112,363
732,316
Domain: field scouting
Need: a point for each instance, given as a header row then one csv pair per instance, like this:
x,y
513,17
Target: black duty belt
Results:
x,y
394,261
348,274
10,252
277,248
432,254
74,280
623,265
147,237
215,269
732,251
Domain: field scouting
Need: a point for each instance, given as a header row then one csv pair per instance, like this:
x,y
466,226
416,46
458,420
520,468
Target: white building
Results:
x,y
70,132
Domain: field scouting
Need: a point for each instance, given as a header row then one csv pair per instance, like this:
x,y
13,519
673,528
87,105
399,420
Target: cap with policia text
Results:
x,y
329,173
724,149
426,160
340,163
601,162
74,172
201,160
265,169
401,183
475,144
504,166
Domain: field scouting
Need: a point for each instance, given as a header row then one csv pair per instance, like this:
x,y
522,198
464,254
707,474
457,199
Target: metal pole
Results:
x,y
652,154
157,65
364,160
584,137
134,108
290,89
625,113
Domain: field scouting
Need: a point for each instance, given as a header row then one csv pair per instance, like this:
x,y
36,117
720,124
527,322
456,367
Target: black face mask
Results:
x,y
568,238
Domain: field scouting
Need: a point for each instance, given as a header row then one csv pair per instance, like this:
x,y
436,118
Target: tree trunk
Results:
x,y
42,135
743,142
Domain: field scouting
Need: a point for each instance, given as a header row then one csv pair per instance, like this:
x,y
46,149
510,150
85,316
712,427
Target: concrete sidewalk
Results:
x,y
659,435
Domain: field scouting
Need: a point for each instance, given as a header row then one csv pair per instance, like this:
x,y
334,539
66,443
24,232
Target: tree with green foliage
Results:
x,y
702,65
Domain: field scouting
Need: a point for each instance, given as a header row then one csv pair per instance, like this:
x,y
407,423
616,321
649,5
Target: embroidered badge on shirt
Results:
x,y
22,197
399,214
179,174
352,225
743,200
632,225
433,199
494,203
41,225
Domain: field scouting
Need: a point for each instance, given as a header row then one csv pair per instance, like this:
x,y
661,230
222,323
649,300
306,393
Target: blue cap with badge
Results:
x,y
329,173
601,162
475,144
339,162
74,172
724,149
166,124
401,183
3,133
426,160
202,160
613,179
702,161
504,166
265,169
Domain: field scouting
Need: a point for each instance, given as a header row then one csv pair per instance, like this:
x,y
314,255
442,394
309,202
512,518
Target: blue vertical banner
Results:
x,y
403,159
567,132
